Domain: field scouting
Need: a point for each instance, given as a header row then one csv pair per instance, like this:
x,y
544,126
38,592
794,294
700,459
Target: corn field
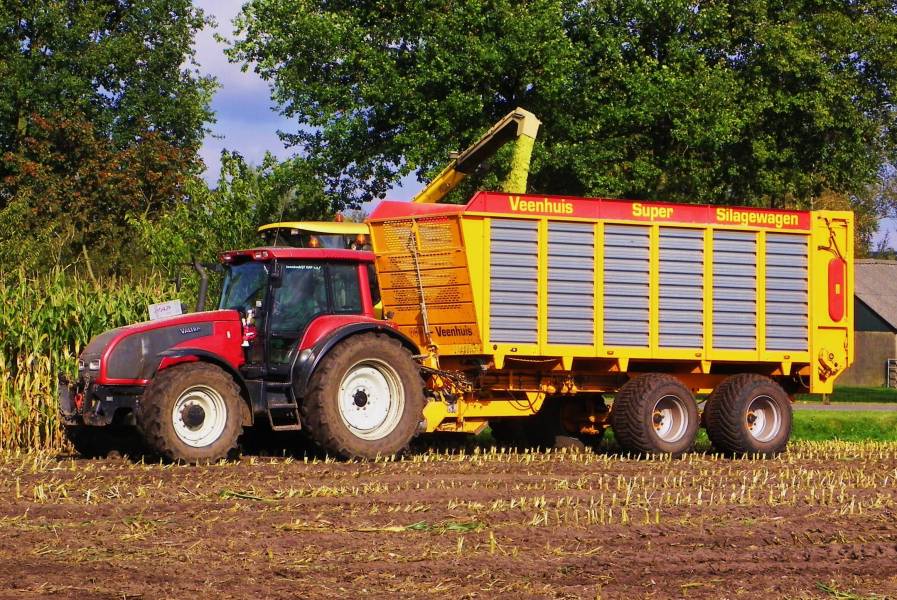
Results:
x,y
46,321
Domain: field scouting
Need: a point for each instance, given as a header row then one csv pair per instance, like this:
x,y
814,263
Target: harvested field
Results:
x,y
819,522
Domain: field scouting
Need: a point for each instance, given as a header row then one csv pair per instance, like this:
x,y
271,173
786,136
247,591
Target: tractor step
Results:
x,y
283,412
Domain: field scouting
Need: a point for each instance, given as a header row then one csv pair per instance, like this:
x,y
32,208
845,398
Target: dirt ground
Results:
x,y
819,522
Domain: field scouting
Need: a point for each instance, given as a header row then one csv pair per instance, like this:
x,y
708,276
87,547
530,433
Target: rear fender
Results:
x,y
306,361
177,356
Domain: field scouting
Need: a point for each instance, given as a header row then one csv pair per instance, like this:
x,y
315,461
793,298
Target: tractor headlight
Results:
x,y
94,365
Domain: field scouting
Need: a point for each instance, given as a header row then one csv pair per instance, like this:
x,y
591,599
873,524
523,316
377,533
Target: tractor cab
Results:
x,y
281,292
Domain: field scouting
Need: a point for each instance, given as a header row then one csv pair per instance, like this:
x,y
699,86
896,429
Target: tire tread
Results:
x,y
723,414
627,413
151,418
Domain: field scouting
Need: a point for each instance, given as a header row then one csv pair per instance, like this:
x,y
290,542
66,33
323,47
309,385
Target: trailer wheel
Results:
x,y
365,399
191,413
748,414
654,414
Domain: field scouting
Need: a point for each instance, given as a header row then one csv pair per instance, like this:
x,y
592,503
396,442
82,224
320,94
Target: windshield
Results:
x,y
244,286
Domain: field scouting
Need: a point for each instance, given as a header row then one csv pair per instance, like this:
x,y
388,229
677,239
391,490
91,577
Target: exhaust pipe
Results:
x,y
203,286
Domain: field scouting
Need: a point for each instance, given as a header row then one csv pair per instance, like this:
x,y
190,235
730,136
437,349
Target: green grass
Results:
x,y
810,425
875,395
852,426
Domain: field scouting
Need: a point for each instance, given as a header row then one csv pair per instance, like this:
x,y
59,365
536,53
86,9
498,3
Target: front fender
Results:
x,y
306,361
176,356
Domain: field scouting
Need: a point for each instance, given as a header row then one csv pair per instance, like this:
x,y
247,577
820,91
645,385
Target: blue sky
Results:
x,y
247,120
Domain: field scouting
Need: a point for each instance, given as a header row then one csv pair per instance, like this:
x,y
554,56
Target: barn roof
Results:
x,y
876,286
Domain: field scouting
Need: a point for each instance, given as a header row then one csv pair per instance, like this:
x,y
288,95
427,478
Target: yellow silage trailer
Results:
x,y
533,311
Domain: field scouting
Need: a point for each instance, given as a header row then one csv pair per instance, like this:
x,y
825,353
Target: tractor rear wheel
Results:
x,y
191,413
365,399
748,414
654,413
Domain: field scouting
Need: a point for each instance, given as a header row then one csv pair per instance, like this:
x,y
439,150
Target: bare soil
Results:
x,y
818,522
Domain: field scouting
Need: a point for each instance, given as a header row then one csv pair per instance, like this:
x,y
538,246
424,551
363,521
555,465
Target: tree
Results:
x,y
101,117
209,221
123,64
735,102
74,192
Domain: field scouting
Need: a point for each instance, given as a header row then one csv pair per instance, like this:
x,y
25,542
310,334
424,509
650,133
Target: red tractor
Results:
x,y
294,343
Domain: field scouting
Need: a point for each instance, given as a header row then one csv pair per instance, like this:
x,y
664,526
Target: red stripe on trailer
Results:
x,y
625,210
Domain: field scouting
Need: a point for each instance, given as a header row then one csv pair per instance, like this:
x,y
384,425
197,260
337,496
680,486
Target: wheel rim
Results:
x,y
371,399
670,418
199,416
763,418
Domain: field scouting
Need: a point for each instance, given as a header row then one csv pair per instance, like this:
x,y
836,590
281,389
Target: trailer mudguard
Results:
x,y
306,361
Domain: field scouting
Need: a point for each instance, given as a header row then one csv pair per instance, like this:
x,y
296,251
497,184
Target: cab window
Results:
x,y
300,297
372,282
346,293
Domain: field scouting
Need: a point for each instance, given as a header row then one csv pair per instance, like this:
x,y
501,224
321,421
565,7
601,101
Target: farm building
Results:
x,y
875,319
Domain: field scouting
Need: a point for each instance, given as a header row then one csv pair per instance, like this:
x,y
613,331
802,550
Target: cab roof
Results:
x,y
285,252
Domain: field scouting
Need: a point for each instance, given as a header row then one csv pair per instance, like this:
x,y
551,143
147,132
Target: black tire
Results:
x,y
98,442
377,372
634,415
180,438
736,406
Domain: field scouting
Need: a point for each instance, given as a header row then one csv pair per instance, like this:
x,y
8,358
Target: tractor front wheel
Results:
x,y
365,398
191,413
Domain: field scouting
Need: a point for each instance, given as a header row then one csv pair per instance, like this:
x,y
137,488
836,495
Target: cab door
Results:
x,y
305,291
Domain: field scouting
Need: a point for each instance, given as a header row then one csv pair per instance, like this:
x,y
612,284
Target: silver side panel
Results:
x,y
626,283
571,291
735,290
787,326
681,287
513,293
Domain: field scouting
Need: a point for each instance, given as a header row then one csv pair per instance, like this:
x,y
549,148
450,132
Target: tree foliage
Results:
x,y
101,117
208,221
74,192
123,64
757,102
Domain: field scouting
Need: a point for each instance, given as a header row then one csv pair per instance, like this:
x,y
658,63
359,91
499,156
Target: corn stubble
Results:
x,y
561,522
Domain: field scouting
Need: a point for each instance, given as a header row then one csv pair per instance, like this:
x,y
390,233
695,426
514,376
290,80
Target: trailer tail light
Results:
x,y
837,277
